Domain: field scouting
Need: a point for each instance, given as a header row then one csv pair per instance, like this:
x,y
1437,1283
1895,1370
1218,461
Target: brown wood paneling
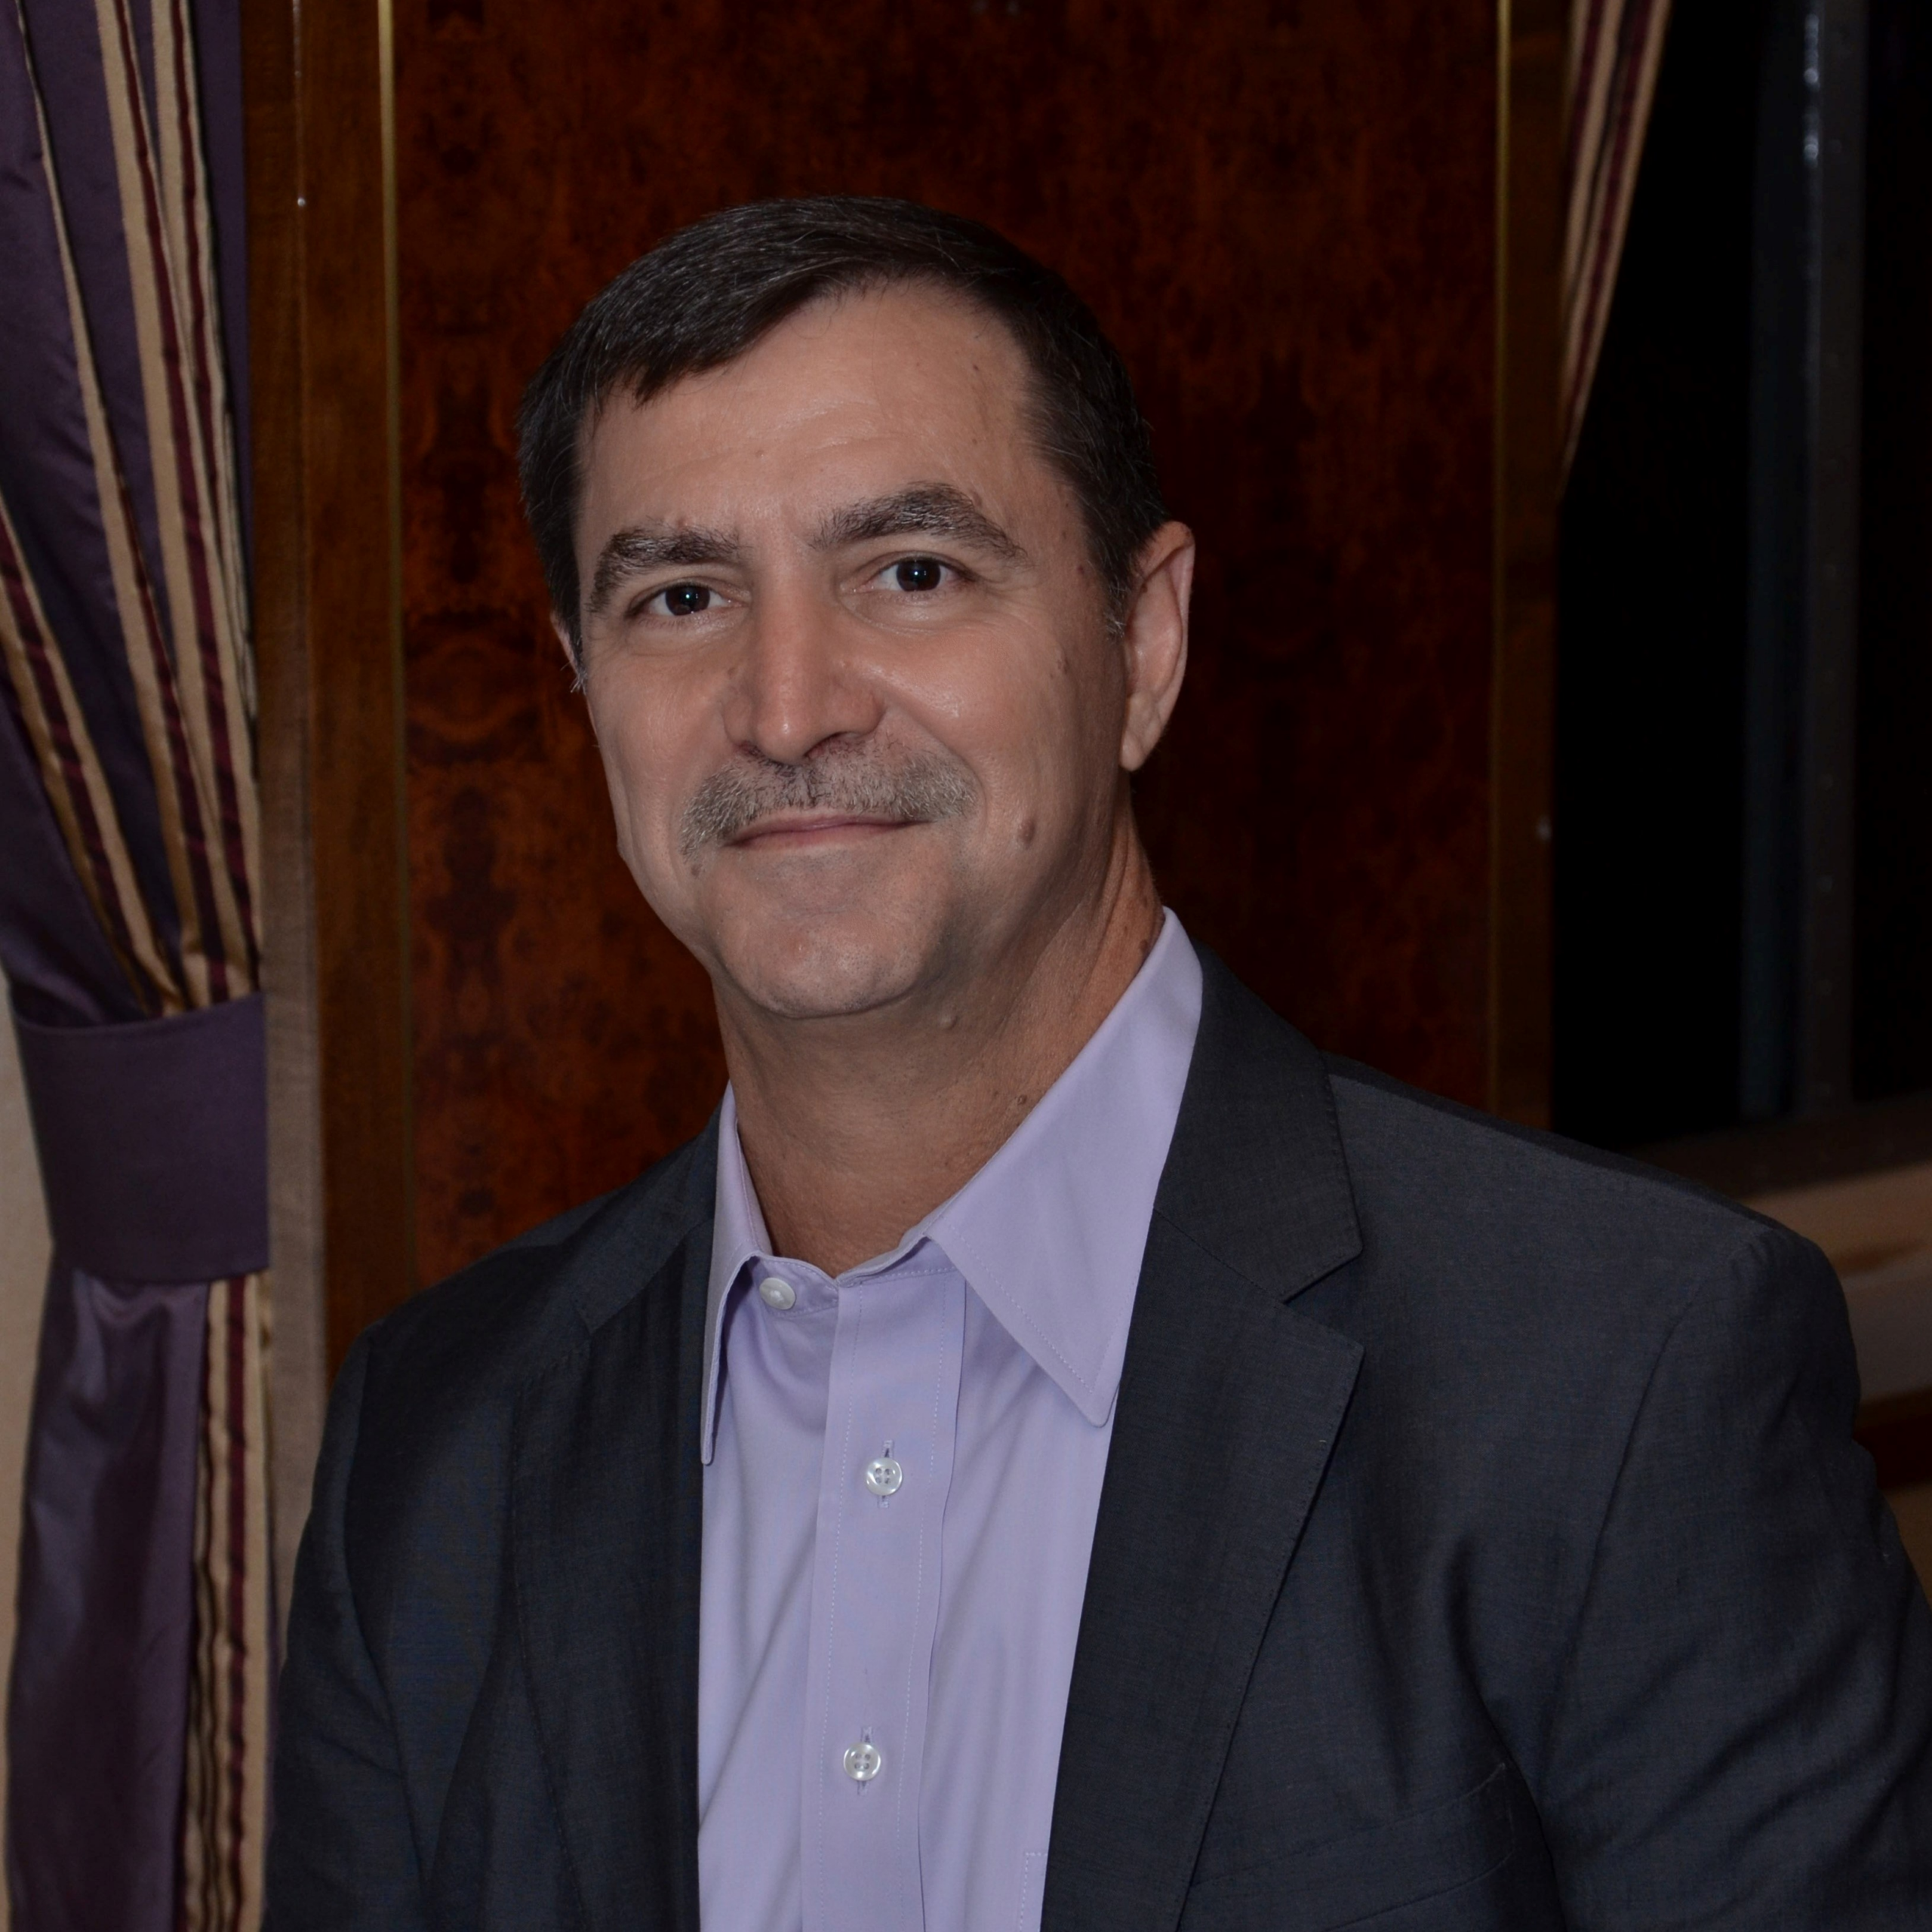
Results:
x,y
1284,212
327,642
1523,717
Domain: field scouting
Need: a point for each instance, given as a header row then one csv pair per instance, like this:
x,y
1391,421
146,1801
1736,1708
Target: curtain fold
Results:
x,y
1615,49
138,1715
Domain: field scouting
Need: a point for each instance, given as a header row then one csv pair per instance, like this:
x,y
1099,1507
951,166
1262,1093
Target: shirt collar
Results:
x,y
1049,1234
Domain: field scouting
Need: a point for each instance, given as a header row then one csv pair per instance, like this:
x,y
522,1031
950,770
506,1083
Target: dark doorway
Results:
x,y
1892,1010
1651,575
1742,929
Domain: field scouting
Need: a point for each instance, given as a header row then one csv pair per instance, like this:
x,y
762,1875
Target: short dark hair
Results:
x,y
709,293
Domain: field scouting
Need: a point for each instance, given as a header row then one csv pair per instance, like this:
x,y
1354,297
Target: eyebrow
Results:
x,y
630,552
925,509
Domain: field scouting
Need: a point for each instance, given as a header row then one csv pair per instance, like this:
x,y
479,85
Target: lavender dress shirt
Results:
x,y
902,1467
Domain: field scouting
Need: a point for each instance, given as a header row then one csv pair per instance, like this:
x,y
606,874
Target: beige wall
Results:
x,y
23,1277
1876,1229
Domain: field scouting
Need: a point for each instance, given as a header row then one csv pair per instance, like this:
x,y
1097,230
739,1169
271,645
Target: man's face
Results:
x,y
864,722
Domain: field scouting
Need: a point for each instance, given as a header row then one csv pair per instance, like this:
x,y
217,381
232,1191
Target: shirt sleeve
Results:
x,y
342,1853
1743,1733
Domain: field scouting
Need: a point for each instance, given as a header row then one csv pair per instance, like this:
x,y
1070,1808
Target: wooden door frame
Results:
x,y
318,100
1530,40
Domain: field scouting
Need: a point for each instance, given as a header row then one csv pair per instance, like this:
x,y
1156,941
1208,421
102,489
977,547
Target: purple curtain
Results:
x,y
137,1718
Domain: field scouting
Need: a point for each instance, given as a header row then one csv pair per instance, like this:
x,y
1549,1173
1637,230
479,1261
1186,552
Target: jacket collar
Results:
x,y
1255,1175
1229,1406
606,1517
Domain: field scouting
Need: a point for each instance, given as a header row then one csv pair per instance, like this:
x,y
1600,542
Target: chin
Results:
x,y
828,969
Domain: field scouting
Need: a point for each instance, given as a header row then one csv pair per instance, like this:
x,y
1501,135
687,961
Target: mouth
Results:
x,y
780,831
836,799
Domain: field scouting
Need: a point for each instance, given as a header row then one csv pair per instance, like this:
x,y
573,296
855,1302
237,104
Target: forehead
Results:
x,y
856,392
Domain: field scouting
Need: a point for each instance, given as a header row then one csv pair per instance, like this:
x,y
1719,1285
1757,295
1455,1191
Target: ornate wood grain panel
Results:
x,y
1284,211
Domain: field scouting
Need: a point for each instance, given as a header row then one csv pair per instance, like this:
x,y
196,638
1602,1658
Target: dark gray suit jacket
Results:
x,y
1483,1544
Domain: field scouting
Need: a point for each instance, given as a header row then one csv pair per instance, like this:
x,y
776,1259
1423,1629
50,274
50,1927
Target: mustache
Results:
x,y
915,789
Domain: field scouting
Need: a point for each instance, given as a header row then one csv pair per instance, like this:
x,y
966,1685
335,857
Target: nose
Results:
x,y
799,683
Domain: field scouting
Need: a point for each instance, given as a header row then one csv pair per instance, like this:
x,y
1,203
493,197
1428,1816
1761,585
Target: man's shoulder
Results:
x,y
1280,1137
423,1421
1424,1158
1437,1152
1509,1245
494,1324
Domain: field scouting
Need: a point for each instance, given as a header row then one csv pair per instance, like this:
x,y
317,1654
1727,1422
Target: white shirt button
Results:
x,y
864,1763
883,1476
776,1292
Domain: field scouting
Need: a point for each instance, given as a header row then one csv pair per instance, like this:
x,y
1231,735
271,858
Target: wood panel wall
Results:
x,y
1285,213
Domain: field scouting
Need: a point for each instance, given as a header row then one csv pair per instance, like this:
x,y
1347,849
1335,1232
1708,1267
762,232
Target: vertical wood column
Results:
x,y
1528,240
322,309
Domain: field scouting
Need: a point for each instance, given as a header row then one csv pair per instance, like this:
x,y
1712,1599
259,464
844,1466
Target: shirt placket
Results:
x,y
891,1425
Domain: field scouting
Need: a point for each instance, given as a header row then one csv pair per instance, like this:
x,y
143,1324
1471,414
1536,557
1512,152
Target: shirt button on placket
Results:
x,y
883,1476
863,1762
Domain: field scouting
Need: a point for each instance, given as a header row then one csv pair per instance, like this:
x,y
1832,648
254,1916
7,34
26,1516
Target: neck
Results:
x,y
855,1129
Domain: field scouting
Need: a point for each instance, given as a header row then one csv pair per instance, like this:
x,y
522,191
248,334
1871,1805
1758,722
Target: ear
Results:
x,y
1155,640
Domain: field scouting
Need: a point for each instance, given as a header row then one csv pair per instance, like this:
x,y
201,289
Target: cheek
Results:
x,y
634,768
1048,745
1080,694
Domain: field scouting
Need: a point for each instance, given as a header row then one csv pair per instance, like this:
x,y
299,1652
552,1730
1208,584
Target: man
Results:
x,y
1056,1451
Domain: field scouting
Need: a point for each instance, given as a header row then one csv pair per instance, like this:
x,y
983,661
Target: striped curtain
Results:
x,y
138,1713
1616,46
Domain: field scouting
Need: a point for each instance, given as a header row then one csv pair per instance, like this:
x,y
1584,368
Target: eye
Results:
x,y
918,573
684,600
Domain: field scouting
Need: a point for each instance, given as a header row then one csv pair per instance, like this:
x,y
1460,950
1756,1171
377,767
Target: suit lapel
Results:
x,y
1229,1404
606,1527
